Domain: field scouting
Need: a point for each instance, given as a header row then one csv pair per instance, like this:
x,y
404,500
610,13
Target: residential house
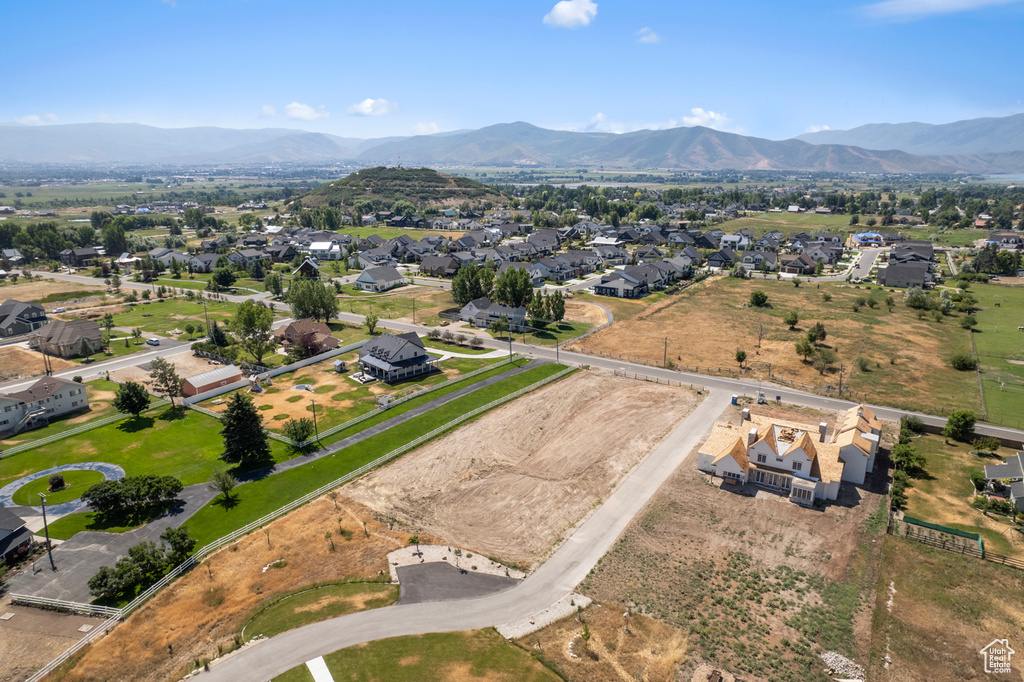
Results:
x,y
248,257
314,336
376,257
439,266
735,242
393,358
722,259
212,245
545,241
797,264
537,271
78,258
760,260
705,241
904,275
1004,240
482,312
165,256
205,262
766,243
795,459
1007,480
644,254
611,255
326,250
18,318
34,407
281,253
15,538
308,269
253,241
12,256
68,338
379,279
621,285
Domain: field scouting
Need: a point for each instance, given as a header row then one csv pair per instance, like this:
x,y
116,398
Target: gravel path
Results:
x,y
111,471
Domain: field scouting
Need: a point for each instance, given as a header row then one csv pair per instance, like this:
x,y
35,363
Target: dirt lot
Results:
x,y
16,363
187,366
205,610
41,288
578,311
907,358
33,637
509,491
758,585
603,644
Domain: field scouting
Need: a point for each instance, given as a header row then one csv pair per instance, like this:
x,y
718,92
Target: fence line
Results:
x,y
28,445
200,554
919,535
62,605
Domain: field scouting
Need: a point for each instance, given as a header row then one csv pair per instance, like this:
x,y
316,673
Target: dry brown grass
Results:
x,y
41,288
205,609
907,357
511,492
16,363
620,648
578,311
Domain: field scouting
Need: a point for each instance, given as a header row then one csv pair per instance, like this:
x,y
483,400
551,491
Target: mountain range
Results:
x,y
993,145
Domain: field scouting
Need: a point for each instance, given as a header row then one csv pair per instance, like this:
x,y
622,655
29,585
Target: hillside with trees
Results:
x,y
382,186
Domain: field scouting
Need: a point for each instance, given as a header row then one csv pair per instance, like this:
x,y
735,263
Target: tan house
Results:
x,y
68,338
319,335
793,458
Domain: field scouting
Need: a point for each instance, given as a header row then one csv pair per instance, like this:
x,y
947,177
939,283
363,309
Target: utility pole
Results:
x,y
664,360
316,429
207,315
46,529
841,369
414,311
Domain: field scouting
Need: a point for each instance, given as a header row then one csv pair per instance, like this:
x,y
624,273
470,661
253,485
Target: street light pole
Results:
x,y
207,315
46,529
316,429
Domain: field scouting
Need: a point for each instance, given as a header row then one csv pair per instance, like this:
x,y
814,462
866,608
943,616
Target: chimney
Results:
x,y
822,428
745,414
751,437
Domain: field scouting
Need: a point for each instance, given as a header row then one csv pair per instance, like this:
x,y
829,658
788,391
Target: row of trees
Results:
x,y
133,495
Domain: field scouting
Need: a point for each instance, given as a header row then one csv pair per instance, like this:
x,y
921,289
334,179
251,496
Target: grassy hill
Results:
x,y
421,186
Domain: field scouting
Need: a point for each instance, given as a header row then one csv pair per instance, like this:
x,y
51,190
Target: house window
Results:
x,y
797,466
74,403
802,494
761,459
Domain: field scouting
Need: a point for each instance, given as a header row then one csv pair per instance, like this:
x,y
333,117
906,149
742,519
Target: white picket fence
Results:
x,y
200,554
69,606
39,442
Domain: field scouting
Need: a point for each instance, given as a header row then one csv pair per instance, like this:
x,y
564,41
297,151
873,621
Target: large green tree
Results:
x,y
252,325
309,298
472,282
513,287
132,398
959,425
245,441
165,379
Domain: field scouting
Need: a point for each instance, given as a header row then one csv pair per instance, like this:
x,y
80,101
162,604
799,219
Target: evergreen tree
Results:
x,y
245,440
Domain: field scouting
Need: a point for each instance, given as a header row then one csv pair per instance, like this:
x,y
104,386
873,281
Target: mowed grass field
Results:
x,y
907,358
472,655
429,301
1001,350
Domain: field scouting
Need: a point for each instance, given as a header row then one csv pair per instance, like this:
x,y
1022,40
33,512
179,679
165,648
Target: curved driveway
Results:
x,y
112,472
558,576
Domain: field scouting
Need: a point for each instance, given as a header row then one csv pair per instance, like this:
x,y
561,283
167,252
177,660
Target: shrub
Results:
x,y
968,322
979,480
863,364
960,425
57,482
826,297
912,423
963,362
758,299
985,444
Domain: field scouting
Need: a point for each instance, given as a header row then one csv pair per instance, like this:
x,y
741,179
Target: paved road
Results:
x,y
440,581
558,576
867,260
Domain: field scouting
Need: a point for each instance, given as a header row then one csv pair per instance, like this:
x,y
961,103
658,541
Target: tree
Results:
x,y
180,544
791,319
217,335
222,278
165,379
738,271
245,440
513,288
816,333
256,271
131,398
114,239
309,298
132,494
819,268
825,359
499,326
915,297
557,301
273,283
805,348
963,362
222,482
299,430
959,425
968,322
56,482
758,299
371,320
108,322
252,325
190,329
906,458
538,311
741,357
136,334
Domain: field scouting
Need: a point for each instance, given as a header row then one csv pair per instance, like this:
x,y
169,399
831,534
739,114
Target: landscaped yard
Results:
x,y
477,654
76,482
906,358
944,494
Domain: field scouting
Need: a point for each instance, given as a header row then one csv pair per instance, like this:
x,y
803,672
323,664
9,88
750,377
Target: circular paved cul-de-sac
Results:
x,y
111,471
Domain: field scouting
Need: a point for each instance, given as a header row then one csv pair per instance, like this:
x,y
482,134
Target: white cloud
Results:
x,y
268,111
707,118
571,14
600,123
906,10
305,112
425,129
646,35
38,119
373,107
172,3
815,129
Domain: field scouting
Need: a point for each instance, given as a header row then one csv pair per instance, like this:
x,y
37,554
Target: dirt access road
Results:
x,y
513,483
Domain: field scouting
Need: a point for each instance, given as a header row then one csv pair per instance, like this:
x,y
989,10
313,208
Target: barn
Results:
x,y
215,378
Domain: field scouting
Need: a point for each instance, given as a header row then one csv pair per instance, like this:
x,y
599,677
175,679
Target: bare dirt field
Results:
x,y
17,362
604,644
757,585
578,311
907,358
510,484
33,637
187,366
203,612
37,289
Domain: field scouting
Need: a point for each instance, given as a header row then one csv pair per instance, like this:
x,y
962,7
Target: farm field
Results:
x,y
1001,350
509,492
338,398
204,611
474,655
934,611
907,358
757,585
944,494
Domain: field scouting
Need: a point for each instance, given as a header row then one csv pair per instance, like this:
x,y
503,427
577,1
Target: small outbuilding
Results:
x,y
208,381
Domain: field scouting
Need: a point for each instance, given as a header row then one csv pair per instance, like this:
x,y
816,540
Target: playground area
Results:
x,y
336,396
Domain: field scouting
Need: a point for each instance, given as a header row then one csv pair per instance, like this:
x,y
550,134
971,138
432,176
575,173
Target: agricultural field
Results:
x,y
474,655
206,611
757,585
934,611
944,493
337,397
906,359
1000,347
512,493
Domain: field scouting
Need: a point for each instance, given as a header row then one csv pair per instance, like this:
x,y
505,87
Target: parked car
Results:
x,y
60,310
153,342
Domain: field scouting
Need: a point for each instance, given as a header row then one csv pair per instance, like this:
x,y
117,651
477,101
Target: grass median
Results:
x,y
258,498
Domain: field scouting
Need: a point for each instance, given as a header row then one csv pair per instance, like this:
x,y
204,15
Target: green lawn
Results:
x,y
439,346
161,316
622,308
66,527
258,498
436,657
302,609
77,483
999,342
428,301
559,332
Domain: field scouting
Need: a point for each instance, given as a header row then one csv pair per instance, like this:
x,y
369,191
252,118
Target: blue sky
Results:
x,y
397,67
